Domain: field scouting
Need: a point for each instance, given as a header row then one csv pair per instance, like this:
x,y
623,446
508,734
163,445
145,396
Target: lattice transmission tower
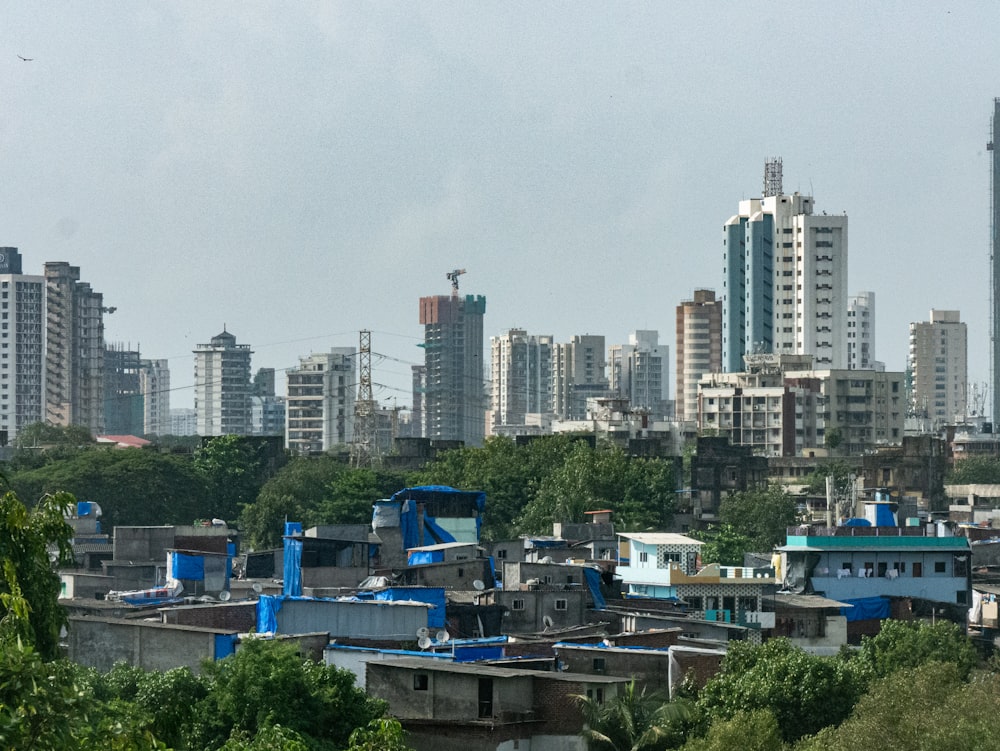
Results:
x,y
364,449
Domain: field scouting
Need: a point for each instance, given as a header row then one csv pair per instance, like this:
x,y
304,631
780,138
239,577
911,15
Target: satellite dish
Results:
x,y
547,620
257,587
225,595
442,636
424,642
423,632
478,585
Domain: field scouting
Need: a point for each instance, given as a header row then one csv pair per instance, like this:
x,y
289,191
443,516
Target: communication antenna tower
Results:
x,y
364,449
772,177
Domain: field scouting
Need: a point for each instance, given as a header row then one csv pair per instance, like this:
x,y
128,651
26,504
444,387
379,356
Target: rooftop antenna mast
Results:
x,y
364,449
453,278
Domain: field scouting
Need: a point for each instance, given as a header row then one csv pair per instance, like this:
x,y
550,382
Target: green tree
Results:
x,y
641,492
924,708
383,734
833,438
975,470
635,720
235,468
744,731
762,516
723,545
315,490
133,487
29,589
46,436
841,472
909,644
510,475
805,693
267,683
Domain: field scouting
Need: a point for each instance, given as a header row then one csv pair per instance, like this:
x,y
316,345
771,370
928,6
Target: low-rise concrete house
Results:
x,y
313,565
539,607
654,669
812,623
867,566
457,707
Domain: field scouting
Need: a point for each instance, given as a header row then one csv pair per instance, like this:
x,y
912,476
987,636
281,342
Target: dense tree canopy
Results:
x,y
910,644
315,490
975,470
133,486
640,492
763,516
803,692
29,586
510,475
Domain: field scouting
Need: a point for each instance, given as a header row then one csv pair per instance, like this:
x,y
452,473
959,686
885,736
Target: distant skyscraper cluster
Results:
x,y
55,365
766,360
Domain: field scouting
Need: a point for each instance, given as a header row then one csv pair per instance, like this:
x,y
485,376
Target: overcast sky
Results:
x,y
300,171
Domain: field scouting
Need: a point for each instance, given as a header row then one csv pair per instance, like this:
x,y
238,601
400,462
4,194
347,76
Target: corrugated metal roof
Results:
x,y
660,538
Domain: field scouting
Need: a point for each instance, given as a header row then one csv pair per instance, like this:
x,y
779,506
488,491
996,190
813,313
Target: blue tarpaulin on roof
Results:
x,y
82,508
431,595
293,528
593,577
267,613
407,500
866,608
186,566
419,557
292,584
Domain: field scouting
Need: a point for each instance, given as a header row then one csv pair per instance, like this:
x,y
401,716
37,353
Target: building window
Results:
x,y
517,604
643,557
560,604
961,597
599,665
597,694
420,681
501,554
939,567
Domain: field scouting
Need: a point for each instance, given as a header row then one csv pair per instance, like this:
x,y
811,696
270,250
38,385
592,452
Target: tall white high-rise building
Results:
x,y
22,345
319,407
698,348
938,367
640,372
578,372
521,383
154,385
785,280
222,386
861,332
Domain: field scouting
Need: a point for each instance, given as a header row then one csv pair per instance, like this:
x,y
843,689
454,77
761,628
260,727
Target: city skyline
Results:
x,y
207,168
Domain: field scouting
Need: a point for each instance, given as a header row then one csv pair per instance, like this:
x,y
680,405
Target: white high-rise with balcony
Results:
x,y
319,408
521,377
22,345
938,368
640,372
785,281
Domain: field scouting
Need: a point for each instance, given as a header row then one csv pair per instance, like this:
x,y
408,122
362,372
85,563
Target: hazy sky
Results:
x,y
299,171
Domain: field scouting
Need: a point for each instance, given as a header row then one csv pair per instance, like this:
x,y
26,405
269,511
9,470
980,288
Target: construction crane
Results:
x,y
453,278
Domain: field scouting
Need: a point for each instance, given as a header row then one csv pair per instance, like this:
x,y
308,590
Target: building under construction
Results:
x,y
451,401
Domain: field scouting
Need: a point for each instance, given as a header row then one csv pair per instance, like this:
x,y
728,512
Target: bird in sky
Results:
x,y
26,59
